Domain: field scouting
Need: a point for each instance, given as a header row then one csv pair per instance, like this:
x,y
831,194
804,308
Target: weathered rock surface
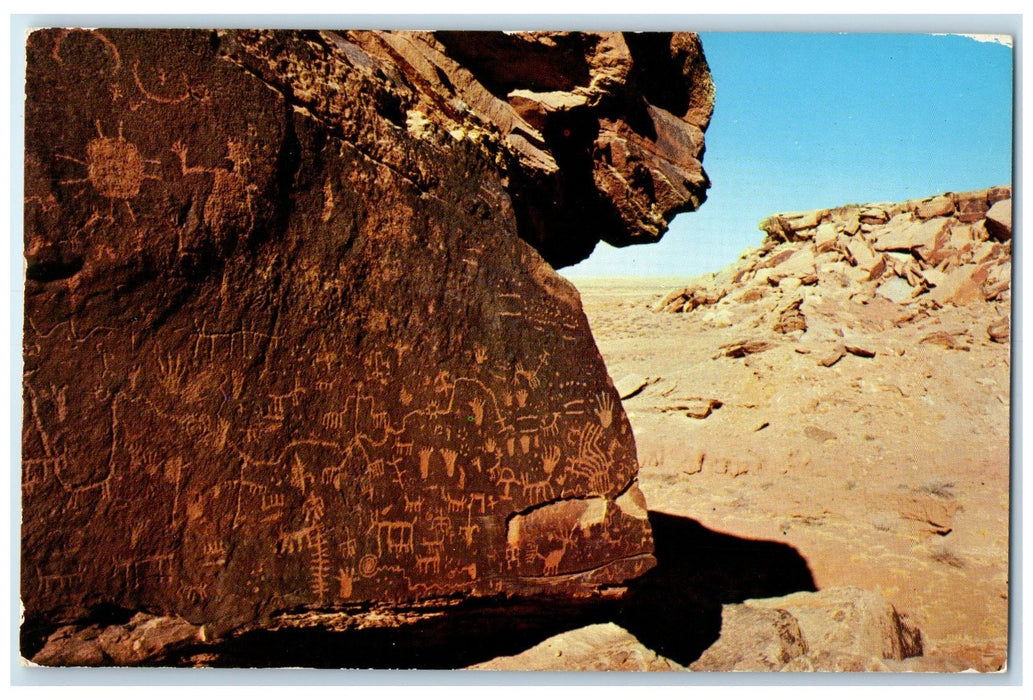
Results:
x,y
284,348
838,629
602,647
142,639
928,253
875,441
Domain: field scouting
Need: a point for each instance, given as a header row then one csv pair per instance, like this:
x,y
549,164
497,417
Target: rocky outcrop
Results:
x,y
923,254
286,348
839,629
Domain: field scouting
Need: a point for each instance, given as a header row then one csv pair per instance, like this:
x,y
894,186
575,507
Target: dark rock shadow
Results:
x,y
674,609
469,633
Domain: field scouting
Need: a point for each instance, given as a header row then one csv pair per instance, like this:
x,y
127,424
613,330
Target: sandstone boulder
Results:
x,y
838,629
998,220
290,340
942,205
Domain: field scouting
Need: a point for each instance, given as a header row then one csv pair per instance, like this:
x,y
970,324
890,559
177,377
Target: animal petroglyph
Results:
x,y
304,348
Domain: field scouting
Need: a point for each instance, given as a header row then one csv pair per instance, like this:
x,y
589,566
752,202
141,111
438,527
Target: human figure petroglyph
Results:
x,y
442,525
506,479
345,583
471,528
300,477
512,555
348,545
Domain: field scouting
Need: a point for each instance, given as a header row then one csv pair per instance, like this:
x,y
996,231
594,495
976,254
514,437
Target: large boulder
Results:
x,y
285,345
838,629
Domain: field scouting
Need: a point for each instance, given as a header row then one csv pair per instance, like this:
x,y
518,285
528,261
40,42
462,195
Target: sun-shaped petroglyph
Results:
x,y
115,169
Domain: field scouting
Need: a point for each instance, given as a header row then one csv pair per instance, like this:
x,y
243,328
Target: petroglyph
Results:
x,y
306,398
604,408
181,90
114,169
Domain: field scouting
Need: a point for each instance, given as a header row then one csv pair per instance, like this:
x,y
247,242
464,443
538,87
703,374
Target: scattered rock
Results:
x,y
819,434
700,408
998,220
859,351
791,318
743,348
945,339
633,384
962,285
837,353
689,299
1000,330
971,207
896,290
940,206
862,255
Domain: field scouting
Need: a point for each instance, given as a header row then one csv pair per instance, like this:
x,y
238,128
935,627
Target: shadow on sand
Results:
x,y
674,609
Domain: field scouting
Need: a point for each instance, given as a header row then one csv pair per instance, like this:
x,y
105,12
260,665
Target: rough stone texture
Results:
x,y
839,629
753,639
998,219
142,639
916,252
602,647
284,348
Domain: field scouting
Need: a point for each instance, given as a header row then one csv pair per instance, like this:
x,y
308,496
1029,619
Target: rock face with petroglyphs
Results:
x,y
292,340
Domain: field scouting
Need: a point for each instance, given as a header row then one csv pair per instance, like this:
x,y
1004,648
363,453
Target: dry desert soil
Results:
x,y
888,469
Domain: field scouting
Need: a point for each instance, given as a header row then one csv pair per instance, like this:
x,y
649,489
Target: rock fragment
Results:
x,y
1000,330
742,348
998,220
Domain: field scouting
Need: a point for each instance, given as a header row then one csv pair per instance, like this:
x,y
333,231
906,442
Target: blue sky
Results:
x,y
806,121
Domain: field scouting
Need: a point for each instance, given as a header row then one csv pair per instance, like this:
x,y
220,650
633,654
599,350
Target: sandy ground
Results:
x,y
888,472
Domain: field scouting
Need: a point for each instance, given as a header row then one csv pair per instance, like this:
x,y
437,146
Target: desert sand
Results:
x,y
890,472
